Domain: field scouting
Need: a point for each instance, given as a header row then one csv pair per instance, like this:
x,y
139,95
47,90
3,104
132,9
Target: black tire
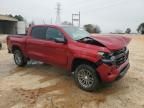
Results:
x,y
89,81
19,58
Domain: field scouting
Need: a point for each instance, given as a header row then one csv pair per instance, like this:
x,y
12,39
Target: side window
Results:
x,y
53,33
39,32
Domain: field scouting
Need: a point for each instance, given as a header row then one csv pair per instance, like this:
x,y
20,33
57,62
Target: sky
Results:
x,y
110,15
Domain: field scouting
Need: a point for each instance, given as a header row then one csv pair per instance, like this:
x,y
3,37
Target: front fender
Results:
x,y
92,59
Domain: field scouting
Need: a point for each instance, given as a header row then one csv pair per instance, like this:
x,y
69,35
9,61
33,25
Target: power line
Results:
x,y
58,9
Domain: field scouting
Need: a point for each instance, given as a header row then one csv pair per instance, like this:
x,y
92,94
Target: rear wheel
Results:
x,y
19,58
86,77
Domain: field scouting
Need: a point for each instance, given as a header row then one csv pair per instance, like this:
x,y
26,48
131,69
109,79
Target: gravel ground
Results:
x,y
44,86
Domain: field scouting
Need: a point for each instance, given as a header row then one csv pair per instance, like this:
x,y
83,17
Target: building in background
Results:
x,y
8,25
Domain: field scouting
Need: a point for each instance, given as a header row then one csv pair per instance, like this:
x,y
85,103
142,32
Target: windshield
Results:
x,y
76,33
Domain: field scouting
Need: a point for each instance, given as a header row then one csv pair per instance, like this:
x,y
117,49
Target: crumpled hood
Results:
x,y
112,42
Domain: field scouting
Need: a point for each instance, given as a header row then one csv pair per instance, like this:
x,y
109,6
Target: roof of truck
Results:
x,y
54,25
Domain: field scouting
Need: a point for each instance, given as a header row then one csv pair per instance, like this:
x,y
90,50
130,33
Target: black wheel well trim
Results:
x,y
15,47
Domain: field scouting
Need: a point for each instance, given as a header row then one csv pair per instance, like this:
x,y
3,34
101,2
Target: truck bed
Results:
x,y
16,40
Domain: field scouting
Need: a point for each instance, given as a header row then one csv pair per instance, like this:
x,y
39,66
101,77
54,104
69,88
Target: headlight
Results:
x,y
101,53
105,55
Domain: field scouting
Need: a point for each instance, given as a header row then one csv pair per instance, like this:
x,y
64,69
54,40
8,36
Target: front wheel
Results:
x,y
86,77
19,58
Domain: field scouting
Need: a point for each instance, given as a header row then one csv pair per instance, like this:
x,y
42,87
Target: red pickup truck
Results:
x,y
91,58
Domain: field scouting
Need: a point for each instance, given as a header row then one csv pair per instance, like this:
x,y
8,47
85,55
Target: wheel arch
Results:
x,y
77,61
15,47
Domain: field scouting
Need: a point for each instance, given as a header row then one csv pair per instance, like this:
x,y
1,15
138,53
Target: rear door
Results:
x,y
35,44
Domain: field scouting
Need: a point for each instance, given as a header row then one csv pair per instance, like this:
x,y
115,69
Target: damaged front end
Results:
x,y
114,54
114,65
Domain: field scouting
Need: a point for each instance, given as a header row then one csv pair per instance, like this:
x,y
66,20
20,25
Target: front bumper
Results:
x,y
111,73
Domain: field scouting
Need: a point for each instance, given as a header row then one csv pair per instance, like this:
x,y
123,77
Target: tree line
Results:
x,y
18,17
96,29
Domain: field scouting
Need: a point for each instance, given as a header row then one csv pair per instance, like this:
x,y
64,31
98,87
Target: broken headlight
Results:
x,y
105,55
107,58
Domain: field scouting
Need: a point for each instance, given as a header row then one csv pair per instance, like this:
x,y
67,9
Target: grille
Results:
x,y
121,56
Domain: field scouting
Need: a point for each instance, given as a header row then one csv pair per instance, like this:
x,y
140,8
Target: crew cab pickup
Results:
x,y
91,58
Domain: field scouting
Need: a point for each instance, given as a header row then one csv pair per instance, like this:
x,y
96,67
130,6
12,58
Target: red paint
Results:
x,y
109,74
112,42
63,54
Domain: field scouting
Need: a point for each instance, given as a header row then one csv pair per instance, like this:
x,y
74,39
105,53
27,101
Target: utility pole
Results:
x,y
76,18
58,9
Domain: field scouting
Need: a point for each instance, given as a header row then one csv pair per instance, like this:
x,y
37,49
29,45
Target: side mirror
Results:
x,y
61,40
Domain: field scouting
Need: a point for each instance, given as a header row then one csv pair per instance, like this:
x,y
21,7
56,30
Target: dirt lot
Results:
x,y
43,86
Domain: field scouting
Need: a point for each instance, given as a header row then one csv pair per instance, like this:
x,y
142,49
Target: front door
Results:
x,y
56,53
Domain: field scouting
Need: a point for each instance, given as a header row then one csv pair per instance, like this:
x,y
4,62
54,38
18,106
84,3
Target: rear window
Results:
x,y
39,32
